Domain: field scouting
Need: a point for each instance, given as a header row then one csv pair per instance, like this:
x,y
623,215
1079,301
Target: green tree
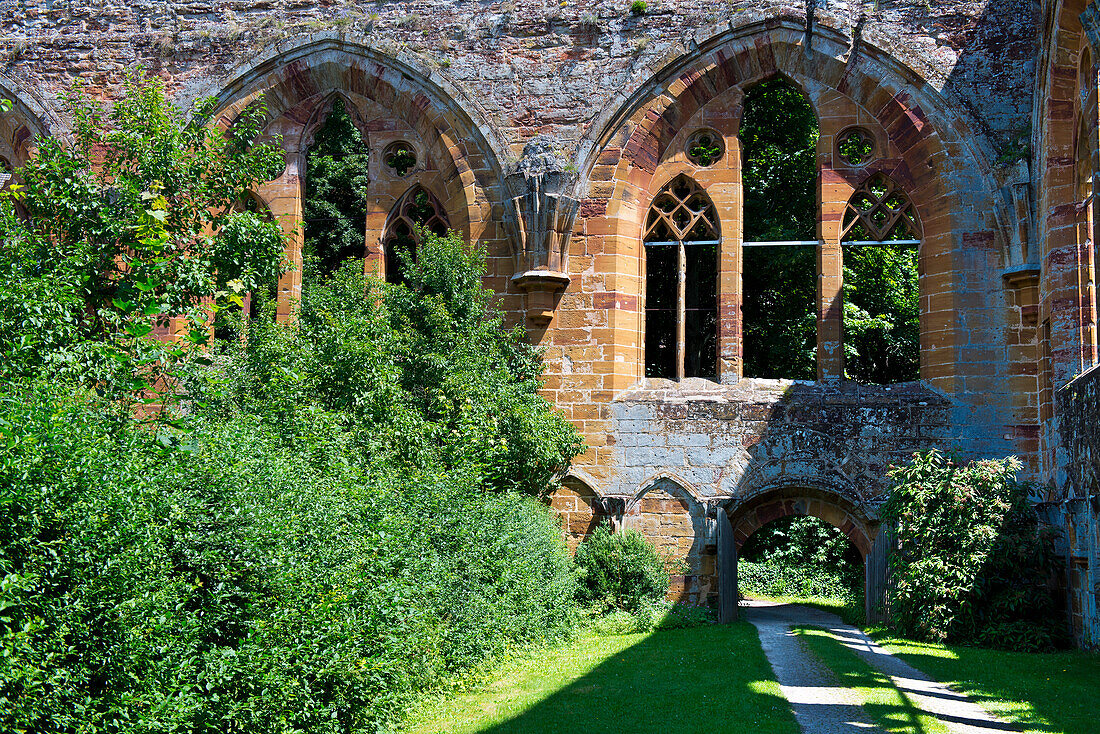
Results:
x,y
881,314
779,145
335,198
135,221
971,564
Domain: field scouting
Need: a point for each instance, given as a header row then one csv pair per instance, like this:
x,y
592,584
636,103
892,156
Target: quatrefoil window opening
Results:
x,y
399,157
856,146
704,148
879,211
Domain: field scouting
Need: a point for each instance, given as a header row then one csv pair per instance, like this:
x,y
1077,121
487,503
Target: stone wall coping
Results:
x,y
760,390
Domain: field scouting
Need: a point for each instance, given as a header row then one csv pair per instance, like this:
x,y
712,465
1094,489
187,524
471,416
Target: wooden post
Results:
x,y
876,569
727,570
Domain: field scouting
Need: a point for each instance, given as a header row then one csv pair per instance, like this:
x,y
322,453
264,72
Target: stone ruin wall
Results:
x,y
947,88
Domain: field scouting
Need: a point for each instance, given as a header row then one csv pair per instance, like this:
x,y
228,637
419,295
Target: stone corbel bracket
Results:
x,y
1025,281
539,216
612,508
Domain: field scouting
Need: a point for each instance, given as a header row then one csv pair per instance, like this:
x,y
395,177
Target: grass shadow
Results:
x,y
1039,692
886,704
711,679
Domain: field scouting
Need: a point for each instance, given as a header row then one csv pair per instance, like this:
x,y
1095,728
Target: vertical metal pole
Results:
x,y
681,312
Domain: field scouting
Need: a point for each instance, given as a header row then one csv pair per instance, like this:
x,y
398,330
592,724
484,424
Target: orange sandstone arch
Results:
x,y
459,154
923,141
750,515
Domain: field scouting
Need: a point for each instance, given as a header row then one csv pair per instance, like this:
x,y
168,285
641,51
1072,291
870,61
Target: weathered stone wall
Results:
x,y
544,129
1077,512
762,449
531,65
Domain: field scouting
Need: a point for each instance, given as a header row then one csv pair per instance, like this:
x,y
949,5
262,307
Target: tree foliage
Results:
x,y
881,314
779,173
336,515
800,555
619,571
779,134
133,222
335,204
971,564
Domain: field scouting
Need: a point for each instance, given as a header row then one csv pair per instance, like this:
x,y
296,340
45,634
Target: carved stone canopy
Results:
x,y
539,216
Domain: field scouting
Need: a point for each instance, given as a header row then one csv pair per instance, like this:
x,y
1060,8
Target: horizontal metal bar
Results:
x,y
782,243
878,243
686,243
815,243
791,243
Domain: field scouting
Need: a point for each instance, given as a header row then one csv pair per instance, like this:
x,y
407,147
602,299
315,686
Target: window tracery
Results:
x,y
880,211
416,212
681,253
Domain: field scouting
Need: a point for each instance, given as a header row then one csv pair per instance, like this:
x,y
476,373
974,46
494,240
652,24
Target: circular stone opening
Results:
x,y
705,148
855,146
399,157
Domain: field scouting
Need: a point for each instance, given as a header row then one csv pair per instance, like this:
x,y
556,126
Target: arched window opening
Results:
x,y
229,322
681,239
778,134
414,214
1087,165
881,234
334,205
804,557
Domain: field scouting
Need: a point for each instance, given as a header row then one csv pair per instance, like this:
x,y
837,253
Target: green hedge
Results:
x,y
228,585
779,578
342,515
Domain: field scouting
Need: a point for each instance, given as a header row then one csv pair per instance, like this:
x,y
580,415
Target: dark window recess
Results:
x,y
681,251
416,213
701,312
662,263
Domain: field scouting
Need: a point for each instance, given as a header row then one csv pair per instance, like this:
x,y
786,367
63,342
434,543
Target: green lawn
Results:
x,y
850,611
1039,692
710,679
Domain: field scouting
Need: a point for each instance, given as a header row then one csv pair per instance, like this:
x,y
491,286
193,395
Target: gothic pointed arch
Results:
x,y
415,214
681,232
458,154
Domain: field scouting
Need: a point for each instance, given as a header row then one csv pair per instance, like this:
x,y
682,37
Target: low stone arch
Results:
x,y
579,507
861,526
671,514
749,515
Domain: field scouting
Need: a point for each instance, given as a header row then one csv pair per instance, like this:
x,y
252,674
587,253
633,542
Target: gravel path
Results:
x,y
821,707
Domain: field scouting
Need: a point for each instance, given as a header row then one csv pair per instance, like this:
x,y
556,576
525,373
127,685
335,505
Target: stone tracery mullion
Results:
x,y
659,215
903,213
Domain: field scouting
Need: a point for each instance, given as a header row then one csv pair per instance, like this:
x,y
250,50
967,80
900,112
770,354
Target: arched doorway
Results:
x,y
739,519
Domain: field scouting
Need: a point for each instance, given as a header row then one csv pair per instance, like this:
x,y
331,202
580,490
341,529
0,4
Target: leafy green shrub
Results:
x,y
248,579
345,519
638,7
971,565
776,578
619,571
